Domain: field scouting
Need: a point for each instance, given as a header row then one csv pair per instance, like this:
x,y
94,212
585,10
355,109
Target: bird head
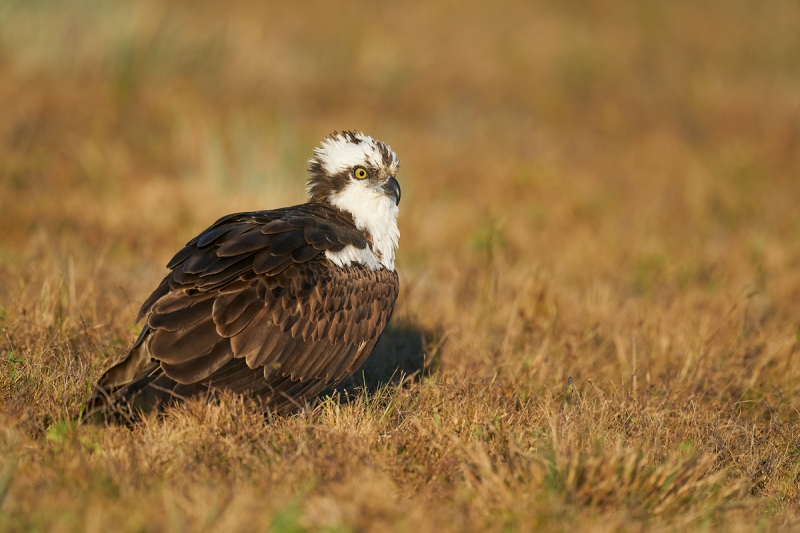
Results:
x,y
356,173
351,171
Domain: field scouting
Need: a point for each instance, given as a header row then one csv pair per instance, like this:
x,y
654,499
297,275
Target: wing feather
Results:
x,y
247,343
228,307
277,226
287,350
304,253
181,313
183,345
300,366
235,327
238,377
200,368
267,263
208,237
247,242
286,242
316,368
273,342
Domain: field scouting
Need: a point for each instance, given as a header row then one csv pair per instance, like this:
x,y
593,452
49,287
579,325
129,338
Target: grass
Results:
x,y
599,261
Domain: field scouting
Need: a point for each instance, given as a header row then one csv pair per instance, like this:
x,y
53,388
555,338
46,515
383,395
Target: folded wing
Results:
x,y
253,305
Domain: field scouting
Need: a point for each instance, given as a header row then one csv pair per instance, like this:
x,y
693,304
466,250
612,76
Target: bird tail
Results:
x,y
116,396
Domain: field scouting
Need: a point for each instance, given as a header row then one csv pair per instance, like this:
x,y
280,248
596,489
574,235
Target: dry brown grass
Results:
x,y
595,189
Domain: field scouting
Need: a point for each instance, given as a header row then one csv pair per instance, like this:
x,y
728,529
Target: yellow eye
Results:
x,y
359,173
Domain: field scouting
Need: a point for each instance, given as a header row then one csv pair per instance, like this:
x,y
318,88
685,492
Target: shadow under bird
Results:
x,y
279,304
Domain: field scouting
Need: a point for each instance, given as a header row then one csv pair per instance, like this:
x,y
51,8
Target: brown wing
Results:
x,y
253,305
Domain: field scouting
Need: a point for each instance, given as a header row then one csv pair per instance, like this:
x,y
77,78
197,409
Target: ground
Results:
x,y
599,322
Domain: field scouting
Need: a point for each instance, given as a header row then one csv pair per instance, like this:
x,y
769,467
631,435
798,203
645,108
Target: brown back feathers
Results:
x,y
253,305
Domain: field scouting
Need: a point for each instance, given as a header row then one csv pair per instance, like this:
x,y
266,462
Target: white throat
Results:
x,y
376,213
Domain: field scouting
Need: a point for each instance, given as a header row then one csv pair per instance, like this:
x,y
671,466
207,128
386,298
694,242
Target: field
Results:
x,y
599,321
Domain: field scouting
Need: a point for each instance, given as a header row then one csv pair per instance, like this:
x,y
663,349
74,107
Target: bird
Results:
x,y
280,304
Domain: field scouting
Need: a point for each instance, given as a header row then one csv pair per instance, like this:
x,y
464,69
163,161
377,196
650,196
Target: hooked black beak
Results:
x,y
392,188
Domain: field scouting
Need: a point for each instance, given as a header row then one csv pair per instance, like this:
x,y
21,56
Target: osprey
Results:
x,y
279,304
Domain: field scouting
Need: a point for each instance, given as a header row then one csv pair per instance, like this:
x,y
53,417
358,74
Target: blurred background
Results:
x,y
600,189
579,164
